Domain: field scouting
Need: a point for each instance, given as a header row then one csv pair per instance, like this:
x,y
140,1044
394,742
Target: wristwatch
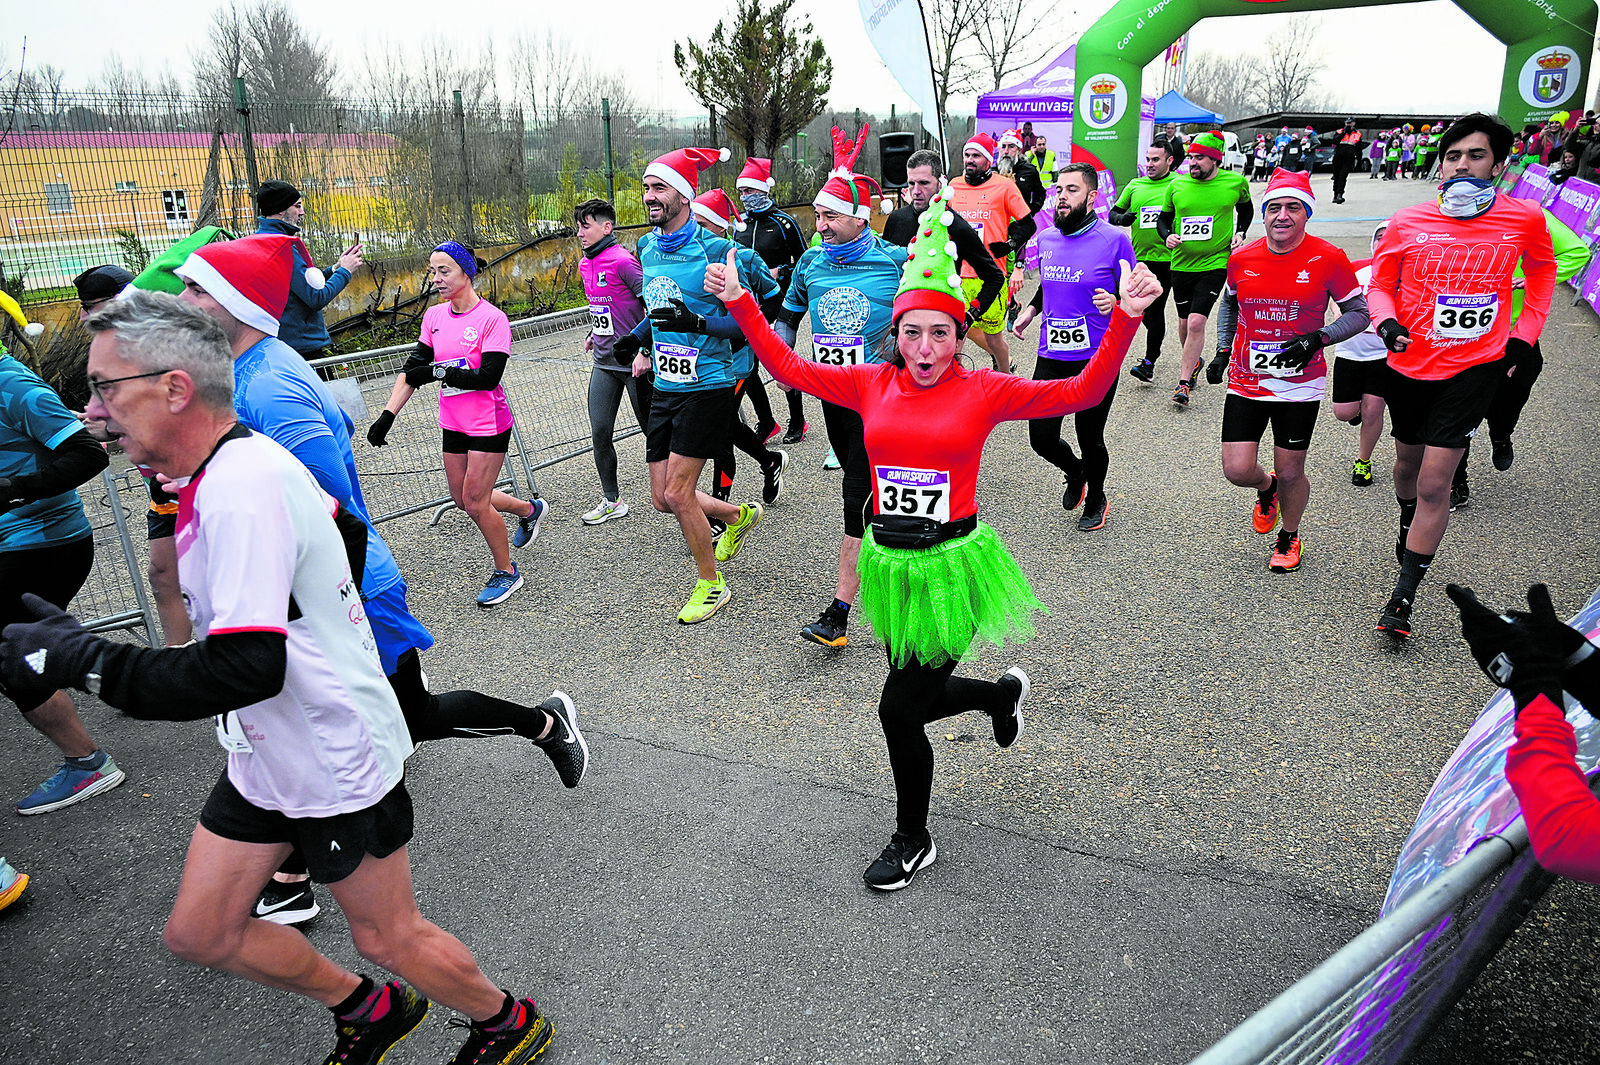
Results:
x,y
439,370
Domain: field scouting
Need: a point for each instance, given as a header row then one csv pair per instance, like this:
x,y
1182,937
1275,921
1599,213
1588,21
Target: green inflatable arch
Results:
x,y
1547,43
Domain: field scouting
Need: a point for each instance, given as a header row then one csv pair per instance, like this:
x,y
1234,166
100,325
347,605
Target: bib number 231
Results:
x,y
833,350
914,493
676,363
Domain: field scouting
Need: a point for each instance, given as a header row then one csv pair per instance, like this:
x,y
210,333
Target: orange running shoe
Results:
x,y
1266,518
1286,557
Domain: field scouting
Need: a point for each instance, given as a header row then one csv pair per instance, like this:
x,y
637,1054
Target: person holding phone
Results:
x,y
310,290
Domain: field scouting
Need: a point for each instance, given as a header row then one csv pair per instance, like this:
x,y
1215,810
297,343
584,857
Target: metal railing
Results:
x,y
115,593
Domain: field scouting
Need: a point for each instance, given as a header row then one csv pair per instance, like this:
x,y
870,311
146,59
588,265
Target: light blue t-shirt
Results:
x,y
850,303
33,423
689,362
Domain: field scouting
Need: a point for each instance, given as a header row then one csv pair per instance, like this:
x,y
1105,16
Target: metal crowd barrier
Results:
x,y
1381,996
115,592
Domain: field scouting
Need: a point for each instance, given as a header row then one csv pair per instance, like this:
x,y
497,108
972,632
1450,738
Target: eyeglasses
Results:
x,y
90,305
98,387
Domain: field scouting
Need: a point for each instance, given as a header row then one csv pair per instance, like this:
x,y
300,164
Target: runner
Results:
x,y
776,237
933,579
924,179
1139,206
1021,170
1270,336
1077,260
694,397
847,284
1358,375
995,208
1203,218
47,550
1439,281
612,281
465,345
316,742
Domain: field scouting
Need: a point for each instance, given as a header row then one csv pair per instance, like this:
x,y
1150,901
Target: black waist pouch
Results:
x,y
904,532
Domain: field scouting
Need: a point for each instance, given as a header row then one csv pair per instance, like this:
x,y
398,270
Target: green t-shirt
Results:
x,y
1394,149
1203,214
1145,198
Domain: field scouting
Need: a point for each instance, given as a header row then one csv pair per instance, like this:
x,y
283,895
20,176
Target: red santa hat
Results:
x,y
681,168
845,191
1290,184
1010,136
984,143
718,208
249,277
756,175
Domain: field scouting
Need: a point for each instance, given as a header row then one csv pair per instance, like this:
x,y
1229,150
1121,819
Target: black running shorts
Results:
x,y
692,424
1245,421
1354,378
1441,413
54,573
1196,291
459,443
332,846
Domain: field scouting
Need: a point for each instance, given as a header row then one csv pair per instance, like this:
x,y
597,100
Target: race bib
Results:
x,y
677,363
1066,334
914,493
600,323
1148,216
834,350
444,390
1195,227
1266,357
1465,317
231,734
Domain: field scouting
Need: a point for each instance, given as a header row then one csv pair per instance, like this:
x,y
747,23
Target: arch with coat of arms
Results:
x,y
1547,43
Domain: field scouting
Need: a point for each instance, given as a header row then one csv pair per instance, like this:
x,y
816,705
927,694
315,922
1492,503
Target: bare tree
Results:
x,y
549,75
221,58
952,32
266,45
1290,68
1001,33
1227,83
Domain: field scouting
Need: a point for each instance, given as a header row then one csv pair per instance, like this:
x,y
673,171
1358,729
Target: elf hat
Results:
x,y
1011,136
1291,185
717,207
756,175
1208,144
931,280
248,277
984,143
681,168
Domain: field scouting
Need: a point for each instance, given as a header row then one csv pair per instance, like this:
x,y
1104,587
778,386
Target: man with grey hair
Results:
x,y
924,178
286,662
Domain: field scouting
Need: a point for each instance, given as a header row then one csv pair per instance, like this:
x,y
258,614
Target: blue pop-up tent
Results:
x,y
1170,107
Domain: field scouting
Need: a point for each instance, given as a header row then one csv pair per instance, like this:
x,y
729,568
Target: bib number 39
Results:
x,y
446,390
831,349
1465,317
600,322
914,493
677,363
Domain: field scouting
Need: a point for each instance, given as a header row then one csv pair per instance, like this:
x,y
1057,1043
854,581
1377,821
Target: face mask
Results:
x,y
1466,197
840,254
757,202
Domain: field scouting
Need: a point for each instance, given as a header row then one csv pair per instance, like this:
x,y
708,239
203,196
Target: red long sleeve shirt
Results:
x,y
1563,815
924,443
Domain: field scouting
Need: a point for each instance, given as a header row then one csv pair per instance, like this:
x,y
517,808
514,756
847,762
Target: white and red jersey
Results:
x,y
1448,281
1280,297
258,552
1367,345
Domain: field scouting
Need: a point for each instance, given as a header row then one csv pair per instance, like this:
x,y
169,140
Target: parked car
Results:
x,y
1323,158
1232,157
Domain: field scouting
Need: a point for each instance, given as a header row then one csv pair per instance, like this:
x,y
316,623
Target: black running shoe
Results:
x,y
900,861
1460,496
772,477
1008,722
1145,372
365,1043
796,432
283,903
1396,618
510,1046
565,745
829,629
1504,454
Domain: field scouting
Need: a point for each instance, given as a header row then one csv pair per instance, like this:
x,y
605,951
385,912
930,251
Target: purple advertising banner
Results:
x,y
1534,184
1575,203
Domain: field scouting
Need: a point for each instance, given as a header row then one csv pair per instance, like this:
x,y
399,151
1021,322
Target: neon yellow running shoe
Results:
x,y
732,537
707,599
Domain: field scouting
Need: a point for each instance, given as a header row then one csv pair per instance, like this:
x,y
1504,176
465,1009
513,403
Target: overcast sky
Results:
x,y
1374,61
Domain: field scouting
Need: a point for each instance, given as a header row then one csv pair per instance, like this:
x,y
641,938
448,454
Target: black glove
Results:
x,y
418,376
1297,352
54,652
378,434
1509,653
1579,658
1391,330
1218,366
8,495
1000,249
676,317
1517,350
626,346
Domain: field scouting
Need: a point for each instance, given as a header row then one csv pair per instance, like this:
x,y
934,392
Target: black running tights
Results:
x,y
1155,315
914,695
1044,434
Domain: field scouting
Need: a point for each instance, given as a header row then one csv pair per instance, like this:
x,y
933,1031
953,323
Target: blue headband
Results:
x,y
462,255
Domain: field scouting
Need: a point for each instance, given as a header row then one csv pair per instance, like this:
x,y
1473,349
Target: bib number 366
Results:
x,y
1465,317
914,493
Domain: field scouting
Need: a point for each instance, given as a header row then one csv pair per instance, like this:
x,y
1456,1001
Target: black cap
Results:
x,y
101,282
274,197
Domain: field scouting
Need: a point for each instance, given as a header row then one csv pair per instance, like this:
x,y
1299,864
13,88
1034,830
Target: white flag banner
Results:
x,y
896,30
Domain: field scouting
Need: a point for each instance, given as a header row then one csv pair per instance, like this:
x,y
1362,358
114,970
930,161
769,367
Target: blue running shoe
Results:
x,y
500,586
528,528
12,883
70,785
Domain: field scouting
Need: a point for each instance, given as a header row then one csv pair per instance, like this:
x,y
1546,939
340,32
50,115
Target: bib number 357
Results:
x,y
914,493
1465,317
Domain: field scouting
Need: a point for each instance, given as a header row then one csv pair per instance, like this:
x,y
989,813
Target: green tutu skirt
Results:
x,y
932,604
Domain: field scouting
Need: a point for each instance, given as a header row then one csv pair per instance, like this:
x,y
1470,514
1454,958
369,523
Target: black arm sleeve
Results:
x,y
789,318
423,356
1037,303
970,250
353,531
1118,217
74,461
1164,224
1242,215
485,377
197,680
1020,232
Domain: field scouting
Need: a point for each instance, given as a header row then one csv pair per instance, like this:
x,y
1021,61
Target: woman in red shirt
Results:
x,y
935,580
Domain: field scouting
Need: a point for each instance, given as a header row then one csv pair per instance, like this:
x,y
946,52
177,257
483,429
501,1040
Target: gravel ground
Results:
x,y
1219,768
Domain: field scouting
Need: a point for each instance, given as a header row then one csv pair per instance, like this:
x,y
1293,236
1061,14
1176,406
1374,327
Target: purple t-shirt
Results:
x,y
612,281
1070,269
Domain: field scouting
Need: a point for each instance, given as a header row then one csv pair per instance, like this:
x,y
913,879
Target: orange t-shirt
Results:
x,y
990,208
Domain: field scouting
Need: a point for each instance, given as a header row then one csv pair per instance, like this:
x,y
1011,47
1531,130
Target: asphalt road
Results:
x,y
1219,768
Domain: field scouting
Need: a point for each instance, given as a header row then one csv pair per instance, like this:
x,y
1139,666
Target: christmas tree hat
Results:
x,y
931,280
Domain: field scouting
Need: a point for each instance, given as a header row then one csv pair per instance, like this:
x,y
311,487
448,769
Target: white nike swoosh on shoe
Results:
x,y
262,909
